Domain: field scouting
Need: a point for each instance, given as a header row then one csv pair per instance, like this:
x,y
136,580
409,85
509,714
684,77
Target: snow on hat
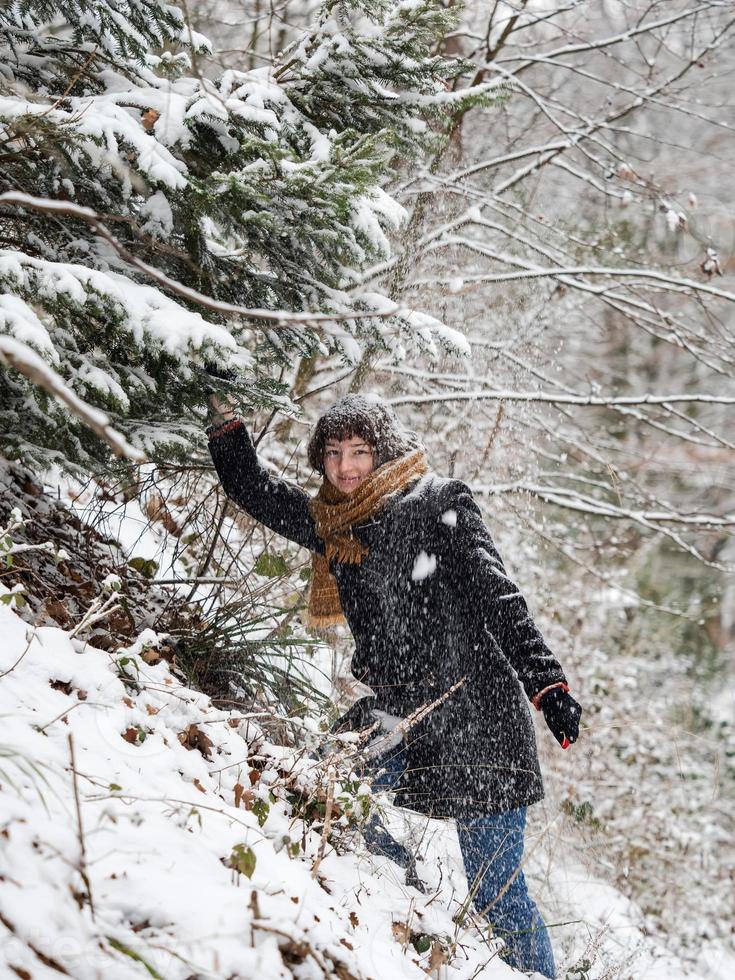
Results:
x,y
368,417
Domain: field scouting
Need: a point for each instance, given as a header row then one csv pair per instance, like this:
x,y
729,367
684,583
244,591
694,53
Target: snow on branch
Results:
x,y
554,398
272,317
28,363
529,271
590,505
644,27
574,137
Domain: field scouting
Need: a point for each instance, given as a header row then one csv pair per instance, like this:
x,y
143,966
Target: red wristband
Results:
x,y
225,427
536,699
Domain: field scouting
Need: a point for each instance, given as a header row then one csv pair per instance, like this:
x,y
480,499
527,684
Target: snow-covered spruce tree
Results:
x,y
145,209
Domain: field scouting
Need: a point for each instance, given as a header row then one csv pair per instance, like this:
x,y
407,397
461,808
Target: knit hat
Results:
x,y
369,417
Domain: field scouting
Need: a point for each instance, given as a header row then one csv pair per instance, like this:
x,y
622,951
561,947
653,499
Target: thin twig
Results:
x,y
27,648
80,832
327,821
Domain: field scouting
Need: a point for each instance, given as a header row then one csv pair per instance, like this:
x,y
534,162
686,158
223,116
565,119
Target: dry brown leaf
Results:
x,y
194,738
401,933
151,710
295,952
58,611
158,511
199,786
354,921
87,589
151,656
438,956
245,796
131,735
19,971
167,653
63,686
122,621
149,119
128,701
341,971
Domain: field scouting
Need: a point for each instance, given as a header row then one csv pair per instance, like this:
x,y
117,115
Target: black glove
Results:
x,y
222,374
359,717
562,715
211,377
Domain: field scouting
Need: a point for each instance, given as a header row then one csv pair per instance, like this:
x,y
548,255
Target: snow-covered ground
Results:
x,y
597,932
161,826
137,879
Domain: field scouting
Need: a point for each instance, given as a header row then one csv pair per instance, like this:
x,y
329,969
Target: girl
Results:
x,y
403,556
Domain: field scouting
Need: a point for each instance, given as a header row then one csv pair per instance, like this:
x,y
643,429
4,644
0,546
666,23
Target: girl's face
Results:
x,y
347,462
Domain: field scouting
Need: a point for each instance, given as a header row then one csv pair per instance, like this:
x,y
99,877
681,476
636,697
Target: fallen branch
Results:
x,y
97,611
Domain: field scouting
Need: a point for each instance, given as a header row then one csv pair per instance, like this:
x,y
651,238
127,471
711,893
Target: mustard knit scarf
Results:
x,y
336,513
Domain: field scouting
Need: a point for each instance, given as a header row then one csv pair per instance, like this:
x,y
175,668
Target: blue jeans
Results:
x,y
389,769
492,850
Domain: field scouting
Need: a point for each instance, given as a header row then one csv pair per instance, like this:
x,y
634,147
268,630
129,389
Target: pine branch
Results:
x,y
31,366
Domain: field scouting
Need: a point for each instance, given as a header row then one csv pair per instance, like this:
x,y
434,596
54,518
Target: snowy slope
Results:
x,y
151,892
156,814
160,826
144,889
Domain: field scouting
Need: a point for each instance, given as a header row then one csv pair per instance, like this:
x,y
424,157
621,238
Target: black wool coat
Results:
x,y
430,604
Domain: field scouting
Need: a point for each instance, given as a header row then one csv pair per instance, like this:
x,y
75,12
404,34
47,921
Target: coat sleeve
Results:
x,y
477,570
280,505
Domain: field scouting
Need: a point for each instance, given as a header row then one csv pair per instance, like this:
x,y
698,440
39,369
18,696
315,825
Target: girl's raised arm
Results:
x,y
279,505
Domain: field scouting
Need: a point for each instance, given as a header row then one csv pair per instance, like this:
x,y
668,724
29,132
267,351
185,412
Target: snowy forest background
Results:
x,y
513,220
